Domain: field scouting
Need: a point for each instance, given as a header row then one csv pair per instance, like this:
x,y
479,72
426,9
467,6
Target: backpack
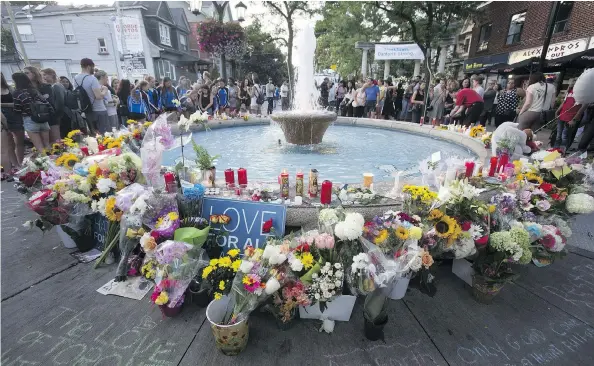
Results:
x,y
260,97
78,99
41,109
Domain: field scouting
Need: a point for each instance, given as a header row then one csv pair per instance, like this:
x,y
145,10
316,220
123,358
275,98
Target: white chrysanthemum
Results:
x,y
246,266
328,216
73,197
104,185
139,206
272,286
580,203
464,248
296,265
99,206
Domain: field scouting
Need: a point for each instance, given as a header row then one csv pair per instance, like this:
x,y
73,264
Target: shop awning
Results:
x,y
580,60
483,63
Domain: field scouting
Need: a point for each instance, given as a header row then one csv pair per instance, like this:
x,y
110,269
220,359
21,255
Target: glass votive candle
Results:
x,y
367,180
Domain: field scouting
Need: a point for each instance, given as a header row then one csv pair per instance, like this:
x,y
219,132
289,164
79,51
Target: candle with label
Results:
x,y
170,184
242,176
503,160
85,150
313,183
299,184
326,192
284,184
493,166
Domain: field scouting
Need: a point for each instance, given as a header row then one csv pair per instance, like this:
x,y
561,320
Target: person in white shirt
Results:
x,y
270,95
538,99
284,93
477,85
111,101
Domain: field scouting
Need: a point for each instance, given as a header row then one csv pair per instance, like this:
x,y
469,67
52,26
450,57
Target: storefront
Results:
x,y
556,50
481,64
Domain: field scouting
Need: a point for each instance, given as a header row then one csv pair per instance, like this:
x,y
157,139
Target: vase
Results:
x,y
200,297
483,291
398,289
171,312
374,331
229,339
209,176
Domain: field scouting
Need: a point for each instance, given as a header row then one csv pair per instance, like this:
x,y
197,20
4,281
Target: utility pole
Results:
x,y
18,35
122,37
220,10
550,28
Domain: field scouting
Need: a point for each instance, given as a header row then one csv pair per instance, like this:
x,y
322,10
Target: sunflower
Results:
x,y
70,160
114,144
382,236
435,214
130,121
533,178
307,260
73,133
445,227
70,143
111,211
401,233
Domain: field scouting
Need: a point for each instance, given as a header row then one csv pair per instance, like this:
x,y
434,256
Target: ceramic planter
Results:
x,y
375,331
229,339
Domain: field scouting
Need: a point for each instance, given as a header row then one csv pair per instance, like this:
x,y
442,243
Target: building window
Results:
x,y
164,34
26,32
484,37
466,48
183,42
563,16
167,67
102,46
68,30
515,28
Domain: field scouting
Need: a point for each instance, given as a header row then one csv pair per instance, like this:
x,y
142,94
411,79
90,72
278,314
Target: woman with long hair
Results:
x,y
115,82
24,95
255,92
341,90
417,101
507,103
406,101
137,107
46,90
57,127
205,99
349,97
111,100
233,96
168,95
66,83
535,102
244,94
13,132
123,92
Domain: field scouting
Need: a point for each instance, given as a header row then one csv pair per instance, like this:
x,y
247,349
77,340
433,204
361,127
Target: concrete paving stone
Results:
x,y
28,256
519,328
301,345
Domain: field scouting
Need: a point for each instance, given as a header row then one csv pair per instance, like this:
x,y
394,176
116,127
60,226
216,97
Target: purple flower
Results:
x,y
525,196
543,205
529,216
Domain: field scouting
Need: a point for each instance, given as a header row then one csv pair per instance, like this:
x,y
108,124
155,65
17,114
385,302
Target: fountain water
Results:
x,y
305,125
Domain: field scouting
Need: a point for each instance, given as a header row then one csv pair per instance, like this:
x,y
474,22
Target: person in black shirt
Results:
x,y
24,95
324,92
13,133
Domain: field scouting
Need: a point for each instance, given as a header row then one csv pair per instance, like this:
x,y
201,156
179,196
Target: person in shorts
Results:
x,y
372,92
23,95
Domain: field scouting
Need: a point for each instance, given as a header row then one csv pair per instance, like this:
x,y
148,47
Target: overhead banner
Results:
x,y
556,50
410,51
132,36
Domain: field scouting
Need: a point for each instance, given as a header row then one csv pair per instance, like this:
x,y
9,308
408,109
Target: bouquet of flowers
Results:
x,y
486,139
477,131
417,198
286,301
326,285
360,278
350,195
161,214
46,204
219,274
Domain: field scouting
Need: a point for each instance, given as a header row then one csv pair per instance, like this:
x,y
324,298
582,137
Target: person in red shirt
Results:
x,y
568,116
470,103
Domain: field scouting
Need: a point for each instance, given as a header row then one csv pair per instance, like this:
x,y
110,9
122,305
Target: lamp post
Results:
x,y
220,6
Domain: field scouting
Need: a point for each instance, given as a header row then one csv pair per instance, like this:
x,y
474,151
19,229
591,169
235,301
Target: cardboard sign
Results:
x,y
100,226
561,172
247,219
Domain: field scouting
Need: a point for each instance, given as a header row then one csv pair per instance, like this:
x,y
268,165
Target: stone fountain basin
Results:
x,y
304,128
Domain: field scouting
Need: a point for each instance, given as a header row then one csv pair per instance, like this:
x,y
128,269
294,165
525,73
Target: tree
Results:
x,y
287,10
344,24
263,57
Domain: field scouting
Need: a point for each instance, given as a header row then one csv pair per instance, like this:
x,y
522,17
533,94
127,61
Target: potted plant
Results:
x,y
205,162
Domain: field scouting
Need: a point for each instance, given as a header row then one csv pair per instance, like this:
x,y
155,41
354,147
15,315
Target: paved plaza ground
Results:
x,y
52,315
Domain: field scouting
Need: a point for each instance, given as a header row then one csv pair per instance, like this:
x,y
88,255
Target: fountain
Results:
x,y
305,125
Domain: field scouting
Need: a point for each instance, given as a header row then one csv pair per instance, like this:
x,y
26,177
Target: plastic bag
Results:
x,y
161,213
126,198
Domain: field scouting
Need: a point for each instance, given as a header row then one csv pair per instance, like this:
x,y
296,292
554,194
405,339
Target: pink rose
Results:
x,y
324,241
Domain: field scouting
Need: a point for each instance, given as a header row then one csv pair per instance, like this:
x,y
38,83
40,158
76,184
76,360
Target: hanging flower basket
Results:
x,y
221,38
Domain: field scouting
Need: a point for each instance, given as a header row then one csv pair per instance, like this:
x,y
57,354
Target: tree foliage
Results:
x,y
344,24
263,57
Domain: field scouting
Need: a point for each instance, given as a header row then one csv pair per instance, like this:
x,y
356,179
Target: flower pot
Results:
x,y
229,339
339,309
200,297
171,312
398,288
484,292
462,268
375,331
286,325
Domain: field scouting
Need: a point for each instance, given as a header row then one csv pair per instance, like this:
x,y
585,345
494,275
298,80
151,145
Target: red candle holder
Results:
x,y
503,160
493,166
469,168
326,192
229,176
85,150
242,176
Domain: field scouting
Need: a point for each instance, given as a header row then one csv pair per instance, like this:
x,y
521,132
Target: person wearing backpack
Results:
x,y
34,109
257,96
137,108
90,96
56,99
154,98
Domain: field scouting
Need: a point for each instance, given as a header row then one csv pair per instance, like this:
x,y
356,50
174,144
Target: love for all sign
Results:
x,y
247,221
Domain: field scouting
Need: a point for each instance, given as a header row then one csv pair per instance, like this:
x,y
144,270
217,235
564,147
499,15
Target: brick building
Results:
x,y
511,32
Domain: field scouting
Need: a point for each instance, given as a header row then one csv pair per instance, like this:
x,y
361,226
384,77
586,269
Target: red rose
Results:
x,y
555,196
548,241
155,235
267,226
101,147
546,187
482,241
30,178
466,225
303,248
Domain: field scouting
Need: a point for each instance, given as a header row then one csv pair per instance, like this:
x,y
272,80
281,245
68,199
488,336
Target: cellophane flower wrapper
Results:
x,y
178,264
265,280
46,204
130,230
126,198
158,204
360,275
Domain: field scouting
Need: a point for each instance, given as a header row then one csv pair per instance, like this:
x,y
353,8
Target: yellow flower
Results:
x,y
533,178
173,216
415,233
73,133
236,264
130,121
383,235
113,176
147,124
233,253
70,143
225,262
445,227
114,144
93,170
120,185
214,262
206,271
307,260
246,280
435,214
162,299
492,208
217,296
222,285
111,211
401,233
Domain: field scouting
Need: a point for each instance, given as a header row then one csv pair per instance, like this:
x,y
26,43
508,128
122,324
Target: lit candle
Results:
x,y
230,176
101,147
503,160
242,176
493,166
284,184
326,192
170,184
469,168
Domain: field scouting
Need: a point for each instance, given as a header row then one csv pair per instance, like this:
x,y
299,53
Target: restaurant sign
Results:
x,y
477,64
555,50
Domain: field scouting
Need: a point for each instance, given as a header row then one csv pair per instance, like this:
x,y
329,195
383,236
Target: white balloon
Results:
x,y
583,90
